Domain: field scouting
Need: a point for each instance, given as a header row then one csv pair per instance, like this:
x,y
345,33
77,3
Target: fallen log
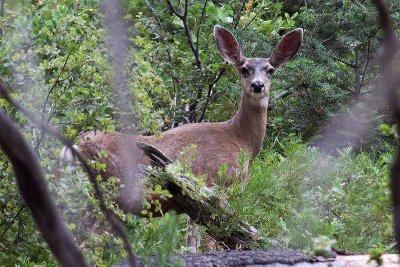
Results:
x,y
200,203
232,258
187,195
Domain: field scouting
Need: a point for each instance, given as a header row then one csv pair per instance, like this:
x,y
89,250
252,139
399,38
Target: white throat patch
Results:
x,y
264,102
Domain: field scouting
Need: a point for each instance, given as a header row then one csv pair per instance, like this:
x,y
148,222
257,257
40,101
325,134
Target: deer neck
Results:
x,y
249,122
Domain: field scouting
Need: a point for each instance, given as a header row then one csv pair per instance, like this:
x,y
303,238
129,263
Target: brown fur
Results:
x,y
217,143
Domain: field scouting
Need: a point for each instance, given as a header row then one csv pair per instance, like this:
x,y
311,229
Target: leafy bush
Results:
x,y
299,193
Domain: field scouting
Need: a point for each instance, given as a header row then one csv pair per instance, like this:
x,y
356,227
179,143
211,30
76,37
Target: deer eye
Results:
x,y
245,71
270,71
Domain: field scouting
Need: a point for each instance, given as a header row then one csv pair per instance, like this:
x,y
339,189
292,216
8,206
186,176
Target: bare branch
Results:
x,y
33,189
155,14
58,77
185,12
256,15
236,16
12,221
192,46
175,80
173,10
282,95
40,140
196,54
343,61
211,86
110,215
366,63
203,12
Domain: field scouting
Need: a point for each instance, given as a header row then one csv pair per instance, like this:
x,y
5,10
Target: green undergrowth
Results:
x,y
296,193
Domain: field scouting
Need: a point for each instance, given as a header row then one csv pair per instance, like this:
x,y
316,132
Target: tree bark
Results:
x,y
389,85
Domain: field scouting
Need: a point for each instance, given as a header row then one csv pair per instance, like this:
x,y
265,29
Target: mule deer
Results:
x,y
217,143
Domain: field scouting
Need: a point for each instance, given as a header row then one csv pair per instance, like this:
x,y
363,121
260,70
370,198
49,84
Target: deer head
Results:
x,y
256,73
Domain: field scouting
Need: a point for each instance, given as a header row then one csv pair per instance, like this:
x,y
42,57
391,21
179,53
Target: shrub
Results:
x,y
299,193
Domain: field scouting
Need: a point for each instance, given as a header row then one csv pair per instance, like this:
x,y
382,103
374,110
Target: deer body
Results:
x,y
221,142
217,143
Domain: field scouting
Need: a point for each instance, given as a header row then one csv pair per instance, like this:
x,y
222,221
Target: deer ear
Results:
x,y
287,48
228,46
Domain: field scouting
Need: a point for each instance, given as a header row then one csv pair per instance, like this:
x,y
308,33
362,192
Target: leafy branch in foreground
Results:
x,y
110,215
34,190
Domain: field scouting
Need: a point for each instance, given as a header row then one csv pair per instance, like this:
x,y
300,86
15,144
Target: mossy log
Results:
x,y
199,203
187,195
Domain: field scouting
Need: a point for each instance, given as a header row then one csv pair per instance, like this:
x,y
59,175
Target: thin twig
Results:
x,y
58,76
284,94
77,102
173,10
343,61
110,215
175,80
236,17
39,142
366,63
256,15
36,195
211,86
12,221
155,14
203,12
183,18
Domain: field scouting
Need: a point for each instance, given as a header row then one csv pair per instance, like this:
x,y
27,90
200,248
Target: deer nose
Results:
x,y
257,86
